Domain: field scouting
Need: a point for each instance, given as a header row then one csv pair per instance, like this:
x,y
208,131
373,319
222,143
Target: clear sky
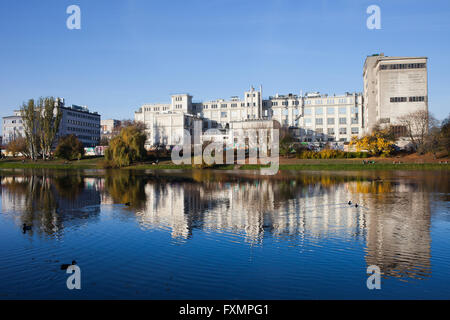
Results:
x,y
132,52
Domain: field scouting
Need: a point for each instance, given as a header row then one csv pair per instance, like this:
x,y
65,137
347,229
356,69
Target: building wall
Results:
x,y
82,123
394,87
12,128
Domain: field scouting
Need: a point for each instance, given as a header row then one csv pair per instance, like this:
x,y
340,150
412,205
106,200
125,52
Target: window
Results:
x,y
342,130
319,121
274,103
223,114
308,110
354,120
319,101
398,99
319,131
354,109
342,110
319,110
342,120
416,99
224,105
355,130
308,121
330,121
402,66
330,101
285,112
330,110
330,130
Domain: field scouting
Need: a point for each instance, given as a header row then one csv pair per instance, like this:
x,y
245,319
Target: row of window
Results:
x,y
12,121
85,124
330,121
330,101
342,131
81,137
83,116
406,99
403,66
74,129
331,110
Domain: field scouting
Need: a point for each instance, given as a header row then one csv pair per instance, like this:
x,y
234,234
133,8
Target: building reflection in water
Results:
x,y
393,221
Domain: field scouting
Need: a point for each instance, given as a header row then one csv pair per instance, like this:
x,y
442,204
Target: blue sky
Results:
x,y
131,52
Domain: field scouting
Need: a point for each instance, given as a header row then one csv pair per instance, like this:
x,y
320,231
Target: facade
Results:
x,y
393,87
12,128
75,120
79,121
312,118
108,126
167,124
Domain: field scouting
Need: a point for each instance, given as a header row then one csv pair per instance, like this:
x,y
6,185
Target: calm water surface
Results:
x,y
216,235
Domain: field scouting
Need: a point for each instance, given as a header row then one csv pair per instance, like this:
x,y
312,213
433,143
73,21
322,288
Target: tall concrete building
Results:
x,y
393,87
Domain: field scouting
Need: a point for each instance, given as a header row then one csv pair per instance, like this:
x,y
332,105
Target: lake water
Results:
x,y
224,235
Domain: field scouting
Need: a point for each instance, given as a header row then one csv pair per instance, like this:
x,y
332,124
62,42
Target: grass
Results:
x,y
94,163
355,166
88,163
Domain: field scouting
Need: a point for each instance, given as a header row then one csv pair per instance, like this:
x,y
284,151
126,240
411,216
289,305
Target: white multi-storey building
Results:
x,y
12,128
312,118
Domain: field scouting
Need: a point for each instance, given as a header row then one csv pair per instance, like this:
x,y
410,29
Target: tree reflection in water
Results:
x,y
393,220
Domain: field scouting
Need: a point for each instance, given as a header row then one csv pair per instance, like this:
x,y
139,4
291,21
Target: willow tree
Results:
x,y
30,117
49,120
127,147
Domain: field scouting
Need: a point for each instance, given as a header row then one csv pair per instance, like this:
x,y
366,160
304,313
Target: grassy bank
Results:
x,y
92,163
95,163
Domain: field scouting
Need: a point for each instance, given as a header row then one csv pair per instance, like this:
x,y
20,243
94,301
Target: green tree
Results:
x,y
49,121
30,116
69,148
127,147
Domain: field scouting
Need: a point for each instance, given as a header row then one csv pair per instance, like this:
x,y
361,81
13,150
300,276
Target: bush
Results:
x,y
19,145
330,154
69,148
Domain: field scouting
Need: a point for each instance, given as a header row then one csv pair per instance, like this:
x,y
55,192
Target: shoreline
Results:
x,y
301,165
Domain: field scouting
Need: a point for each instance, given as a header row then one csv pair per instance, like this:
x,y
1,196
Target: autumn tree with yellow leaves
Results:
x,y
378,143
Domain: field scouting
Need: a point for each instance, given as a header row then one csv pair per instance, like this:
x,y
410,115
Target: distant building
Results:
x,y
109,125
313,118
12,128
393,87
79,121
75,120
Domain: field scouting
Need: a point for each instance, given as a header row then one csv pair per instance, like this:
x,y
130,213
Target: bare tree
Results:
x,y
418,125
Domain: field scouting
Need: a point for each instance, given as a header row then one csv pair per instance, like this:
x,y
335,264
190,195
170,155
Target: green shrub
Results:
x,y
69,148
